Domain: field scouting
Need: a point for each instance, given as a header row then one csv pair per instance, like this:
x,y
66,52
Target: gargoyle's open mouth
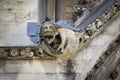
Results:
x,y
49,38
51,44
53,41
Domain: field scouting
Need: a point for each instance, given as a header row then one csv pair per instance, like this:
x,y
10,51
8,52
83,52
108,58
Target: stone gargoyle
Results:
x,y
58,41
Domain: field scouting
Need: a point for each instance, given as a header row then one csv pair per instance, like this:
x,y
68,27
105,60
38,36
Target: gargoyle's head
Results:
x,y
49,31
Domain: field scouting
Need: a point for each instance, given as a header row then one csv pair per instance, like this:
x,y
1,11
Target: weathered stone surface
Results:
x,y
26,15
66,76
66,66
35,66
14,16
14,35
101,40
68,17
7,16
21,9
7,4
89,55
69,76
2,66
22,16
40,76
45,77
69,10
26,4
71,3
28,77
113,30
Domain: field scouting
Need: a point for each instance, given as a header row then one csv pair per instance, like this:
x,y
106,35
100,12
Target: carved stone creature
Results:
x,y
65,39
49,31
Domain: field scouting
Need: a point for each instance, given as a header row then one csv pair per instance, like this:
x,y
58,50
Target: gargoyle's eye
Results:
x,y
51,27
44,28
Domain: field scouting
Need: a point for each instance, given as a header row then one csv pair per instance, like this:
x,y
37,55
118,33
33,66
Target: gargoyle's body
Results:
x,y
69,42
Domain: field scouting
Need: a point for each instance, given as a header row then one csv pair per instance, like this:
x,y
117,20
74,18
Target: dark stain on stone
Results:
x,y
90,76
70,74
118,38
9,9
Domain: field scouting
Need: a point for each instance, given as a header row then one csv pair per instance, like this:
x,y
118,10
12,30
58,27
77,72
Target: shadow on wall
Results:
x,y
70,74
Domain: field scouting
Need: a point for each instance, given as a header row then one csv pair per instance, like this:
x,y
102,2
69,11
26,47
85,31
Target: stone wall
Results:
x,y
13,21
17,11
13,17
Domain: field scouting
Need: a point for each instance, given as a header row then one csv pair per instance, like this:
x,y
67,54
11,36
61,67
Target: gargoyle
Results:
x,y
58,41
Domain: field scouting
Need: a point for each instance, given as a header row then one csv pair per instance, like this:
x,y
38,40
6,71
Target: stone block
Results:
x,y
81,66
16,76
14,35
30,67
65,66
69,76
71,3
29,5
7,16
79,77
68,16
114,27
44,66
45,77
69,10
28,76
22,16
7,4
101,40
2,66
